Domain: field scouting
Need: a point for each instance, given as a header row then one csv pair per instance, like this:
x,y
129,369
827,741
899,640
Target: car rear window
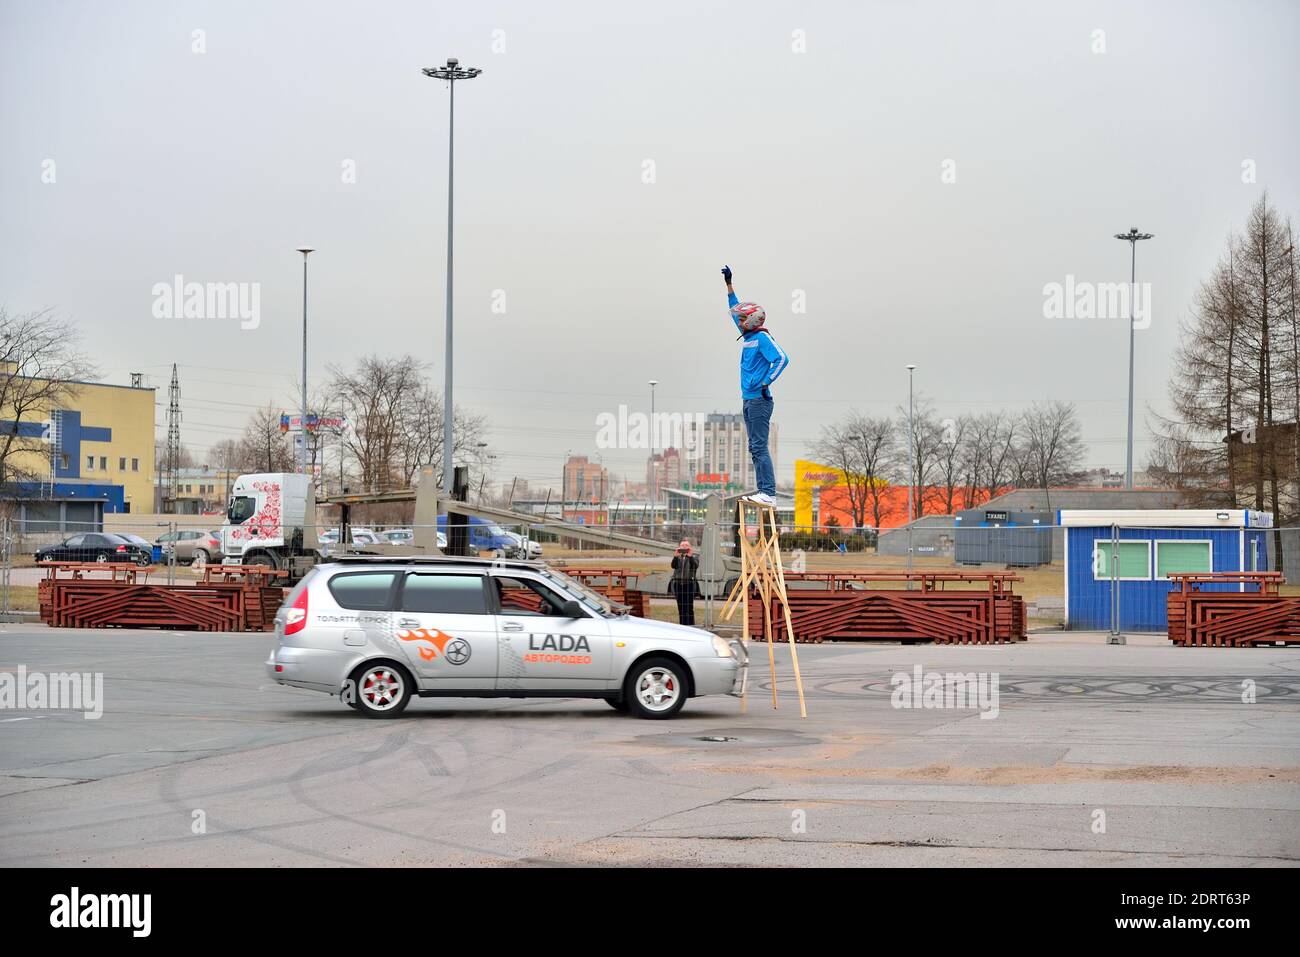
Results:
x,y
444,594
364,591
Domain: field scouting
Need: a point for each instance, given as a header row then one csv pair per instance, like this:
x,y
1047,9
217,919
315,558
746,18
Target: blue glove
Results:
x,y
726,275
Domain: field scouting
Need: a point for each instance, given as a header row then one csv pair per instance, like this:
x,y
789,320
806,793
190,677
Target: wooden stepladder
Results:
x,y
761,572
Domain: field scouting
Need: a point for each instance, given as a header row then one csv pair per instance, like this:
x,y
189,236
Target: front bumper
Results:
x,y
722,675
742,668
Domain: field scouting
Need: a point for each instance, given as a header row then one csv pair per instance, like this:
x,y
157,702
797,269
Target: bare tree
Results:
x,y
952,464
990,455
863,449
1235,386
263,447
422,440
1053,449
395,420
40,364
184,458
925,445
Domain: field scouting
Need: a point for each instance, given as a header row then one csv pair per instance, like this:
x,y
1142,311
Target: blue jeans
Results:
x,y
758,422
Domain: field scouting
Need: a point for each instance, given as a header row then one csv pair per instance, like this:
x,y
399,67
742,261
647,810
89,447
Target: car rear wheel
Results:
x,y
383,690
102,558
656,688
201,557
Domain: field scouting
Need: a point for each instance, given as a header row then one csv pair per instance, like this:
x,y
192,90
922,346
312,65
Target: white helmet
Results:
x,y
749,316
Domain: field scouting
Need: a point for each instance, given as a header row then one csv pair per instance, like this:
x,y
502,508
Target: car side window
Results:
x,y
523,596
75,541
444,594
364,591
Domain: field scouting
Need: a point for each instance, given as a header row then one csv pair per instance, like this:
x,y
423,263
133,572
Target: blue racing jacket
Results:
x,y
761,359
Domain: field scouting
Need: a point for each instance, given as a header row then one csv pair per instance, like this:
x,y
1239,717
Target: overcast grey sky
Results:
x,y
819,171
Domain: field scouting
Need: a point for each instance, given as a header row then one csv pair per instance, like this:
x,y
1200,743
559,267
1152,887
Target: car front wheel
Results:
x,y
656,688
381,690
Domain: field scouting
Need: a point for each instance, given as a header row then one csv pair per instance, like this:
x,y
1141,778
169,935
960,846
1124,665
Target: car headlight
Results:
x,y
722,647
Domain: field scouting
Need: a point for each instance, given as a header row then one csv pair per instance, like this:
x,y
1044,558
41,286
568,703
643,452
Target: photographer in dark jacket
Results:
x,y
684,585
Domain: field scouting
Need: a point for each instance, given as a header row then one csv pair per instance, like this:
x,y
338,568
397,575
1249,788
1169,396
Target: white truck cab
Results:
x,y
270,521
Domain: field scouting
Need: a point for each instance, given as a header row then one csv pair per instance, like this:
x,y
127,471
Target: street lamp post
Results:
x,y
654,447
911,469
1132,237
302,421
564,481
451,72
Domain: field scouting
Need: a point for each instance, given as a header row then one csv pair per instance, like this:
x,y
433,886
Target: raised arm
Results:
x,y
732,299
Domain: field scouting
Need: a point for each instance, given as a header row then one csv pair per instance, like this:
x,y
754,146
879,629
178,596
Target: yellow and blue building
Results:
x,y
90,455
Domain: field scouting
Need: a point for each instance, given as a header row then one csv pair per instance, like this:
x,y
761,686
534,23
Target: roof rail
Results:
x,y
430,560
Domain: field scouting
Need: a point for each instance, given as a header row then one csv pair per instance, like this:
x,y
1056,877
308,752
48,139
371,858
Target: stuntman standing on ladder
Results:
x,y
761,362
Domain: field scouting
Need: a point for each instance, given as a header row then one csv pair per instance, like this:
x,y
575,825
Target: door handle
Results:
x,y
512,626
409,622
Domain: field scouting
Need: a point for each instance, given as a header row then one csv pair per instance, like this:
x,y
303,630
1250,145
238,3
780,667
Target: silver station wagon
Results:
x,y
376,631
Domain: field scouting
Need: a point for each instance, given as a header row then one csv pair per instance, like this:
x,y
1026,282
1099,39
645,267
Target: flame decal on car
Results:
x,y
437,640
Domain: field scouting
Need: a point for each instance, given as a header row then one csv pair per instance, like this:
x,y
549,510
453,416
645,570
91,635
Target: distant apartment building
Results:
x,y
584,480
665,470
199,491
719,454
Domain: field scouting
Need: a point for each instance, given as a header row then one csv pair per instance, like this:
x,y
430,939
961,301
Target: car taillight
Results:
x,y
121,548
295,619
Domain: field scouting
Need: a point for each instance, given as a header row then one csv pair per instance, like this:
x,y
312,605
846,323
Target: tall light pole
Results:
x,y
1132,237
302,421
911,468
654,444
451,73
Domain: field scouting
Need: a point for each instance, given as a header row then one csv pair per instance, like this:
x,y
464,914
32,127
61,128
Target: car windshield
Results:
x,y
496,530
591,599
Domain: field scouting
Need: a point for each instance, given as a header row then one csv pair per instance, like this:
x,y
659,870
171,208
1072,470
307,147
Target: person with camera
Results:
x,y
684,585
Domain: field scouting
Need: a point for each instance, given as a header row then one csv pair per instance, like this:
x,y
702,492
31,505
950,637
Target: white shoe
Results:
x,y
761,498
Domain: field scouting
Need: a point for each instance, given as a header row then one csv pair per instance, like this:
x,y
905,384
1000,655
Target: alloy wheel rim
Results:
x,y
657,689
381,688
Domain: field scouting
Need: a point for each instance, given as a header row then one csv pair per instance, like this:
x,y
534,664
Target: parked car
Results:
x,y
358,537
190,544
377,631
523,548
405,536
100,547
141,541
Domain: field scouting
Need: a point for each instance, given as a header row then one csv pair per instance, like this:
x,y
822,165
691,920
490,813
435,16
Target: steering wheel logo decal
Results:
x,y
457,651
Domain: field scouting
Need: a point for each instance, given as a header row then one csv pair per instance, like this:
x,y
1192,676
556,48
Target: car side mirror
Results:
x,y
571,609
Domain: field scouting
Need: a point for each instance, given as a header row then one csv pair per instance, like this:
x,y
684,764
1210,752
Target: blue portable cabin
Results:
x,y
1152,543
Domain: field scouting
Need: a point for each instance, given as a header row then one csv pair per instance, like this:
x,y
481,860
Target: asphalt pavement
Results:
x,y
1142,754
